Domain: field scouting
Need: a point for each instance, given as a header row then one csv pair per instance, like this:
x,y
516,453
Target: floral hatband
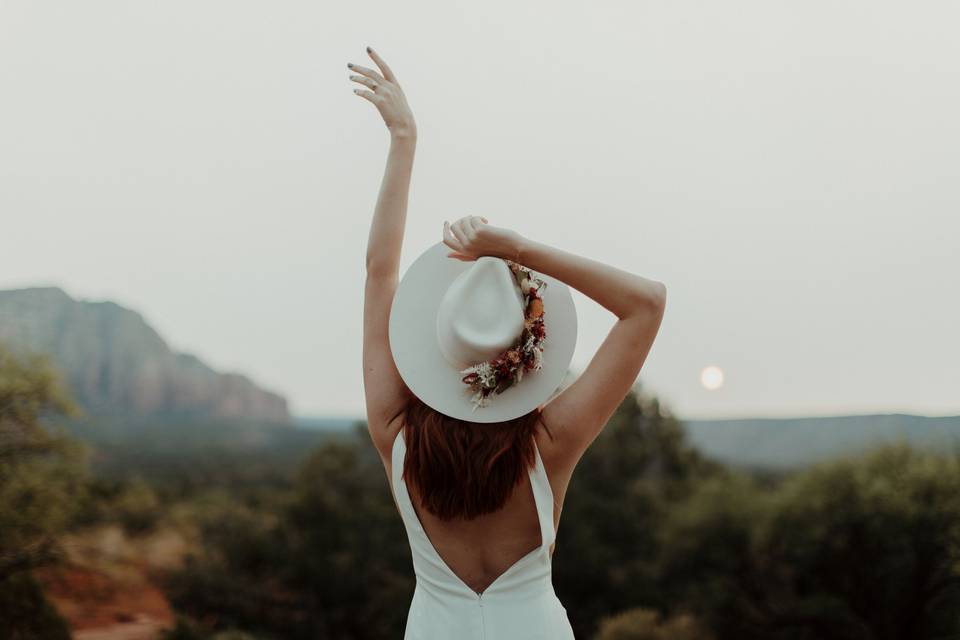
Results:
x,y
499,374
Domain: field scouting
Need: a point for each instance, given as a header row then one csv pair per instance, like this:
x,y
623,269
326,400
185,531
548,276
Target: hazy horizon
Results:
x,y
789,171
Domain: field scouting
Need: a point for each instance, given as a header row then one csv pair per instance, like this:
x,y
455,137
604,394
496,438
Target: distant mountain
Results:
x,y
116,364
785,443
319,423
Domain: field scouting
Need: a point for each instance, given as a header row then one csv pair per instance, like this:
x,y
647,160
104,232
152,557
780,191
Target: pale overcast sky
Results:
x,y
791,171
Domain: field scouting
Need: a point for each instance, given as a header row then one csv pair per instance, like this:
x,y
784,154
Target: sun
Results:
x,y
711,378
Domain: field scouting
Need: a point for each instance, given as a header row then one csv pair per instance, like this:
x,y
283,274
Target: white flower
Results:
x,y
484,371
479,401
524,285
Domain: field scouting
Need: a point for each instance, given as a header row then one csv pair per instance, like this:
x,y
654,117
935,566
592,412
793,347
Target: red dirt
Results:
x,y
104,590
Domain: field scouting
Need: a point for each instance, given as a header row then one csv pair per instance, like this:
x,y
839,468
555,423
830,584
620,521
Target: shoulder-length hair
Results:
x,y
463,469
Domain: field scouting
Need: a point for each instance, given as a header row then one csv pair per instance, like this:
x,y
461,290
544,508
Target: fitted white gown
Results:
x,y
519,605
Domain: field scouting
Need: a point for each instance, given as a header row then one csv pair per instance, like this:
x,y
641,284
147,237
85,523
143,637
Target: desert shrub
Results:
x,y
646,624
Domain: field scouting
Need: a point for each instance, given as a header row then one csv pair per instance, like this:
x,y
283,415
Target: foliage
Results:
x,y
25,612
180,458
628,480
39,470
186,629
646,624
328,560
132,503
865,547
41,480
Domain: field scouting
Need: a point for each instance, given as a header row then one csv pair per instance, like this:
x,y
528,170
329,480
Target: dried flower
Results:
x,y
486,379
535,309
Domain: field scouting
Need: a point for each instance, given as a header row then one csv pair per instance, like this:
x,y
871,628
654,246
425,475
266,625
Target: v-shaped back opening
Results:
x,y
538,481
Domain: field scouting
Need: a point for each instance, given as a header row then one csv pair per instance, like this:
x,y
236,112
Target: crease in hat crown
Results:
x,y
481,313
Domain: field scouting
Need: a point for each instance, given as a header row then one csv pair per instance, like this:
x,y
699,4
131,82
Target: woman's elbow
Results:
x,y
651,298
659,295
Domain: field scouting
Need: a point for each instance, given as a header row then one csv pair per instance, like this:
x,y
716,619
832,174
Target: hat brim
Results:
x,y
433,379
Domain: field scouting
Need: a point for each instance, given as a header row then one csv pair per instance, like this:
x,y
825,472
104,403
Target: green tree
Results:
x,y
862,548
328,560
42,475
352,546
626,482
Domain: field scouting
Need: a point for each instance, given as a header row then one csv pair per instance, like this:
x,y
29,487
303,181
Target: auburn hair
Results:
x,y
462,469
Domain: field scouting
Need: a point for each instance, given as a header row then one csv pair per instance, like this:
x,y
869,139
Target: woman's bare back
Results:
x,y
478,551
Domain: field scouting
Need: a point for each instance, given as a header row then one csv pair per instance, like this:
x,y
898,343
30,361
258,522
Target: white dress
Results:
x,y
519,605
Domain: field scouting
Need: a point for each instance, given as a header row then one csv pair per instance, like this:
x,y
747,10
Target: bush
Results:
x,y
25,612
865,547
646,624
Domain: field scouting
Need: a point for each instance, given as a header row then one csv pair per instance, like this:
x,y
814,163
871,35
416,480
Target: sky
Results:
x,y
791,172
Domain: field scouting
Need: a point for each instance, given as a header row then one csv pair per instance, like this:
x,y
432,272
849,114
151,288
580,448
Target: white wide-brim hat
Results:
x,y
448,314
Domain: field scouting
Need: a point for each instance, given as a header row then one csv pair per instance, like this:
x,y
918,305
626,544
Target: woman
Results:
x,y
481,501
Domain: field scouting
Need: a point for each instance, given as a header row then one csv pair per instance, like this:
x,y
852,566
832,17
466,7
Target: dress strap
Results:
x,y
401,493
396,477
543,493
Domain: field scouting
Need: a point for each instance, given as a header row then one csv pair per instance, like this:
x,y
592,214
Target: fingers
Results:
x,y
364,81
474,222
470,224
459,233
369,95
449,239
387,73
370,73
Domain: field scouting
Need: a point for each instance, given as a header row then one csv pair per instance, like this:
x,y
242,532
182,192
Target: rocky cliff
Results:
x,y
117,364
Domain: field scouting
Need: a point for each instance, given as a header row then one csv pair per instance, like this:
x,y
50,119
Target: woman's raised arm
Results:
x,y
390,214
384,389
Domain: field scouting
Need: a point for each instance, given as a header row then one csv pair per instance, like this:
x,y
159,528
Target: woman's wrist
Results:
x,y
407,133
516,247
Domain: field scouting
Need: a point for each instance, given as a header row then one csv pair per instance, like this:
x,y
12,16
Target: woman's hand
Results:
x,y
385,93
471,237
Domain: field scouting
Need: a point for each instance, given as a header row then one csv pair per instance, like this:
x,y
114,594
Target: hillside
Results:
x,y
785,443
116,364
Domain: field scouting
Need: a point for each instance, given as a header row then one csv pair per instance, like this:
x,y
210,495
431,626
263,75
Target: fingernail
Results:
x,y
368,49
350,64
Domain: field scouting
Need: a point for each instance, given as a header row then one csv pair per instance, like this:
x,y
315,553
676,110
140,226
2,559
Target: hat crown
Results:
x,y
481,313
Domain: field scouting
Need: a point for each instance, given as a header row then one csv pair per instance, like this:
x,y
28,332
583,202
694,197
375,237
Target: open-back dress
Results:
x,y
519,605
